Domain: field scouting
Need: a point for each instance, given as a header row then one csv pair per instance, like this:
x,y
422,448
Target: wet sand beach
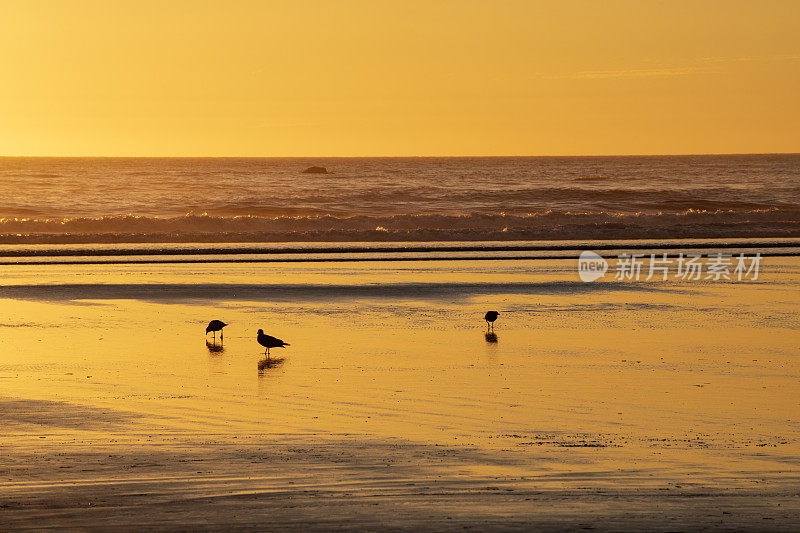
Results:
x,y
611,405
399,266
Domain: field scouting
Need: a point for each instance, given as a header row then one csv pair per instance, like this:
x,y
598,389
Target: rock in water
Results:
x,y
315,170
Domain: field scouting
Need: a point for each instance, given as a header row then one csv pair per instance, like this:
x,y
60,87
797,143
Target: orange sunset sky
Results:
x,y
398,77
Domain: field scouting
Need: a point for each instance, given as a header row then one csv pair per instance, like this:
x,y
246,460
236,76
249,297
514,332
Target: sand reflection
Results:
x,y
268,363
215,348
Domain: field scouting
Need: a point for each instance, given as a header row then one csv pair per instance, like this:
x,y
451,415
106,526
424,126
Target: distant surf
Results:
x,y
549,225
150,200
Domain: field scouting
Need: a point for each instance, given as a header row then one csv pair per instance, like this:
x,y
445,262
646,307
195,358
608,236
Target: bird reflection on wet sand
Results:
x,y
213,347
269,362
491,337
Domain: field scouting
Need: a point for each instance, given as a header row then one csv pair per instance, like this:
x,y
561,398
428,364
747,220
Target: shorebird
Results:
x,y
215,326
268,341
490,317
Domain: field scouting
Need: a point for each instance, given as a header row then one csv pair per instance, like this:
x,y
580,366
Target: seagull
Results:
x,y
268,341
215,326
490,317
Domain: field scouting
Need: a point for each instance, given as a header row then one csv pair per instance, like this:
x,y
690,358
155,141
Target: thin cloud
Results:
x,y
629,73
750,59
708,65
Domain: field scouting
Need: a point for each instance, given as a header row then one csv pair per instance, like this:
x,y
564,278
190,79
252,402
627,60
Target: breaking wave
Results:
x,y
547,225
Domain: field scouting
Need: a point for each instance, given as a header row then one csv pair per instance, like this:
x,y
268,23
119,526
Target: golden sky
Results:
x,y
398,77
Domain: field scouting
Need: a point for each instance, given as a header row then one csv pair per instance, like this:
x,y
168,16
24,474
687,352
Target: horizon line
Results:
x,y
692,154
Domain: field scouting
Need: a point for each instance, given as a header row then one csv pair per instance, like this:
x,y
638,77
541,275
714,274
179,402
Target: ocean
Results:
x,y
677,391
419,199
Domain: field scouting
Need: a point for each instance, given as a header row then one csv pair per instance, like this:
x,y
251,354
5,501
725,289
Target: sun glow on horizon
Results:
x,y
382,78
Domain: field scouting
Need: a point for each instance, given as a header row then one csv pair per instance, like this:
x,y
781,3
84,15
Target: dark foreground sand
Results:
x,y
107,479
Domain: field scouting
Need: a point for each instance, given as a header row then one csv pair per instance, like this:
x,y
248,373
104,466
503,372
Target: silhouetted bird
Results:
x,y
268,341
215,326
490,317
